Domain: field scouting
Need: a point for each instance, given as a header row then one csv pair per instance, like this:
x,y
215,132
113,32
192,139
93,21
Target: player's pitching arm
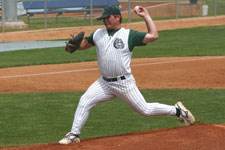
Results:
x,y
152,34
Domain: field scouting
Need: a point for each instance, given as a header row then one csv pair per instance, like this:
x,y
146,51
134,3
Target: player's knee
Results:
x,y
86,102
145,113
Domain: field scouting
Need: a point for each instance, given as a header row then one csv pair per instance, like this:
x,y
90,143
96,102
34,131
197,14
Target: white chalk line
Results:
x,y
94,69
48,73
219,125
176,61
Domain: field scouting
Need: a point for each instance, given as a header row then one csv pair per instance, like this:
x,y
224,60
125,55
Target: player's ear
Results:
x,y
118,17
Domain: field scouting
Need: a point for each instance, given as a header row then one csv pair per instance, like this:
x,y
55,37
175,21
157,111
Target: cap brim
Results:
x,y
102,17
99,18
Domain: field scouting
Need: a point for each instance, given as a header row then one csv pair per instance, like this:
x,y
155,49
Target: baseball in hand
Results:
x,y
136,8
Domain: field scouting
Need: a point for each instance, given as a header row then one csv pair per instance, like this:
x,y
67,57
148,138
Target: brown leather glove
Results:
x,y
74,43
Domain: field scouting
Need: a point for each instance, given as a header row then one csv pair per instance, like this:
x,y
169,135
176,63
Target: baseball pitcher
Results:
x,y
114,48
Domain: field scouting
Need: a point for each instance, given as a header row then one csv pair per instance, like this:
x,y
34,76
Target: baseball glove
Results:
x,y
74,43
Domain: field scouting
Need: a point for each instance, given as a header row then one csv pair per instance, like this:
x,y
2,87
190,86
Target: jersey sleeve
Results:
x,y
90,38
135,39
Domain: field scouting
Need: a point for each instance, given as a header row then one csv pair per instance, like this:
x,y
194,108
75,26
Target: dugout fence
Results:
x,y
78,14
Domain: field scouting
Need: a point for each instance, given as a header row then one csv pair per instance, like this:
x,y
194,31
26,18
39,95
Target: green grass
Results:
x,y
43,56
46,117
183,42
206,41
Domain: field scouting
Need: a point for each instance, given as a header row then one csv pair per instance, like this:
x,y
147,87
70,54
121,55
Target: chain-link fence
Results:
x,y
216,7
167,9
30,16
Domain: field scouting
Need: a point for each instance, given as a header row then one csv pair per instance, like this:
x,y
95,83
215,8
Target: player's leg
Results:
x,y
135,99
97,93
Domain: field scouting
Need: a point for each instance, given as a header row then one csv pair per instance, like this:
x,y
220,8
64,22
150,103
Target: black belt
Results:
x,y
114,79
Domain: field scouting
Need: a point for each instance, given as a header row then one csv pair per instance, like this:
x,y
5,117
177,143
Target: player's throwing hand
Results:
x,y
141,11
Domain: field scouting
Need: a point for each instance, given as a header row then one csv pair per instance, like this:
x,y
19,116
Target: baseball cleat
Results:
x,y
185,115
69,138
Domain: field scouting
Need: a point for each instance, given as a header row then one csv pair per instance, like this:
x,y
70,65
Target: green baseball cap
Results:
x,y
112,10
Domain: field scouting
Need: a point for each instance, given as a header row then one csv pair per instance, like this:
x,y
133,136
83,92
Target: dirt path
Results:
x,y
150,73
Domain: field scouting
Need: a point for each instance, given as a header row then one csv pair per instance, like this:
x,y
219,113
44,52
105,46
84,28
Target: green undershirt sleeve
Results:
x,y
135,39
90,38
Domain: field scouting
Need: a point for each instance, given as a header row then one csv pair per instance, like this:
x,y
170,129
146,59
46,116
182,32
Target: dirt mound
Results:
x,y
197,137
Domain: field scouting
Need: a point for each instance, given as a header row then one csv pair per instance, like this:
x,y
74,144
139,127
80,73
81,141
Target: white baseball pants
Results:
x,y
102,91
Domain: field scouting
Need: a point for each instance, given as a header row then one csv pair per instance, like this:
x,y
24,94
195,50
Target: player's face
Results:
x,y
112,22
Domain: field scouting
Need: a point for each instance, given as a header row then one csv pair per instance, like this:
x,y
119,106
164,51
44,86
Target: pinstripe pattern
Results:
x,y
114,59
112,62
102,91
97,93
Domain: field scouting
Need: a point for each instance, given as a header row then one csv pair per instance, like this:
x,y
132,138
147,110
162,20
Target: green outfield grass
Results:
x,y
46,117
183,42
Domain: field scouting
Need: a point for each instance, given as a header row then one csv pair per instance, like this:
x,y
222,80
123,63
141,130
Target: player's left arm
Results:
x,y
152,34
87,42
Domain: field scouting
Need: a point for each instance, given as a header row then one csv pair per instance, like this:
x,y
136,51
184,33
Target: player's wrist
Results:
x,y
147,17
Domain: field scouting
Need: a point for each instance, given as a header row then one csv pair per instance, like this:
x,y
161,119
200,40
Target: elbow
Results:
x,y
150,38
156,36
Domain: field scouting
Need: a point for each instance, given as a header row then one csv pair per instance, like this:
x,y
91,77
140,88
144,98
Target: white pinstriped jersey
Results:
x,y
113,52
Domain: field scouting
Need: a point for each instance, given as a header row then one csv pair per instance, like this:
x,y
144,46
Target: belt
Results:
x,y
114,79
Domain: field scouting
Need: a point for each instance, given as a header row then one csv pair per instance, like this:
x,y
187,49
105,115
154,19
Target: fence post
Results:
x,y
3,16
10,10
91,13
129,16
214,7
177,10
45,10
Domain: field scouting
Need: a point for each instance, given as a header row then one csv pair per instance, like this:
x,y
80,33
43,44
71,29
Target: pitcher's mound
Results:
x,y
197,137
